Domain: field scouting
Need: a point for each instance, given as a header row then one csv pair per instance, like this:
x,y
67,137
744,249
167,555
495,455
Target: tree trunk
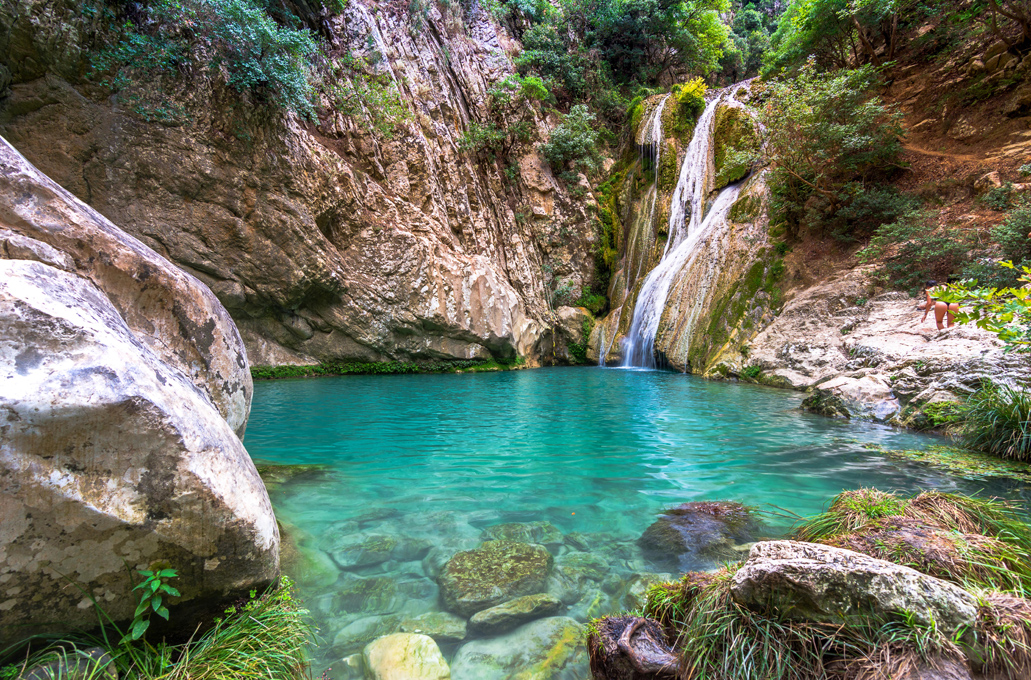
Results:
x,y
631,648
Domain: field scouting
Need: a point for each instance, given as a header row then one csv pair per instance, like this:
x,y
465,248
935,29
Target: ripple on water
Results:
x,y
421,466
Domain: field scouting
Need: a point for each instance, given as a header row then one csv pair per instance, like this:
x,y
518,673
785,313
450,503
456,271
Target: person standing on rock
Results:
x,y
941,308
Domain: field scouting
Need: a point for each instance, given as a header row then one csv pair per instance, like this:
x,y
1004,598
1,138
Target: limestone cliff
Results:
x,y
324,239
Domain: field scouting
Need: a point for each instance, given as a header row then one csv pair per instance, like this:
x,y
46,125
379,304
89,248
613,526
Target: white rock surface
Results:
x,y
878,350
118,374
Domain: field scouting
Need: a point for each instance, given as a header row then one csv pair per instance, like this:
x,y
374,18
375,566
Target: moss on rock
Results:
x,y
493,573
735,145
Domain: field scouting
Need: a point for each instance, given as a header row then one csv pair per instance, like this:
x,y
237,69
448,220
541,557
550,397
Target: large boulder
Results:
x,y
695,535
823,584
493,573
125,384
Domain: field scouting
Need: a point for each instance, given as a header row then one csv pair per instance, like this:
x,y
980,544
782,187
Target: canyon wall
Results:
x,y
325,239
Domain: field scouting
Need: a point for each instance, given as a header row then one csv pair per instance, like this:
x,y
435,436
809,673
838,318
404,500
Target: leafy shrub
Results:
x,y
914,249
573,142
359,92
593,302
998,421
1003,311
999,198
751,372
231,39
691,97
828,141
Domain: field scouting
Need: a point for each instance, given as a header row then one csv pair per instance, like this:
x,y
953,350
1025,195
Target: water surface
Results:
x,y
595,452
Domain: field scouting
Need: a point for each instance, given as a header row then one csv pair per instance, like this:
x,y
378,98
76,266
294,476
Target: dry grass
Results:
x,y
972,541
1004,636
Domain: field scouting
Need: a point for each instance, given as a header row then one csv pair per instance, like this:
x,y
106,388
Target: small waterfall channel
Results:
x,y
689,229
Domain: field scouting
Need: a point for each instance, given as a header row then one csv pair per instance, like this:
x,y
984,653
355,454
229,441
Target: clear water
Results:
x,y
594,451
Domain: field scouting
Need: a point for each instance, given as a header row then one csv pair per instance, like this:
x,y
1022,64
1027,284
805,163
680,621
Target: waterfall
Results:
x,y
689,229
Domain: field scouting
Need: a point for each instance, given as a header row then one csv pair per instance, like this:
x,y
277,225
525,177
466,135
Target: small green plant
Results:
x,y
751,372
153,590
999,198
1025,170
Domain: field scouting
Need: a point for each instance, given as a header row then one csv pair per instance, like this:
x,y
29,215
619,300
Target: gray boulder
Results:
x,y
819,583
125,385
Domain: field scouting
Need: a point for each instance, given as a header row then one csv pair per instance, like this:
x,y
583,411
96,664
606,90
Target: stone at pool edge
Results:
x,y
545,649
405,656
493,573
824,584
367,549
508,615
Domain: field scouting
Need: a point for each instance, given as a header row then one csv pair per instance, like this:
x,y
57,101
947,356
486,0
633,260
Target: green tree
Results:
x,y
1003,311
574,142
233,40
828,140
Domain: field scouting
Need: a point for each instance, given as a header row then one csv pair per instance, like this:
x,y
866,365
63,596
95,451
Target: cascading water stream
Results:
x,y
689,225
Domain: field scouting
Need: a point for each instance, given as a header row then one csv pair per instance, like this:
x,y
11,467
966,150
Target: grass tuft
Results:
x,y
998,421
268,636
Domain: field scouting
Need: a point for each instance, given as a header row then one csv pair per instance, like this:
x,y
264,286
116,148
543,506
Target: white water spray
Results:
x,y
689,229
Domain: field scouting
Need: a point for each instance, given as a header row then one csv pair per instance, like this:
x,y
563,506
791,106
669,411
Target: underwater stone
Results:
x,y
363,550
441,626
355,635
404,656
523,532
511,614
495,572
378,594
635,595
698,534
548,649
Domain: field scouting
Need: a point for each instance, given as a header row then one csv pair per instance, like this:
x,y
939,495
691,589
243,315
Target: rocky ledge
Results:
x,y
871,357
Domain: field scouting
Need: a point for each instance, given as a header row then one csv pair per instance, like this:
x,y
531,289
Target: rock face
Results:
x,y
819,583
404,656
124,385
495,572
872,357
324,240
694,535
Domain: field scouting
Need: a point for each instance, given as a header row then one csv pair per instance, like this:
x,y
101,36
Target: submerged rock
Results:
x,y
698,534
819,583
362,550
511,614
546,649
378,594
125,384
441,626
544,533
635,594
495,572
302,560
354,636
405,656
